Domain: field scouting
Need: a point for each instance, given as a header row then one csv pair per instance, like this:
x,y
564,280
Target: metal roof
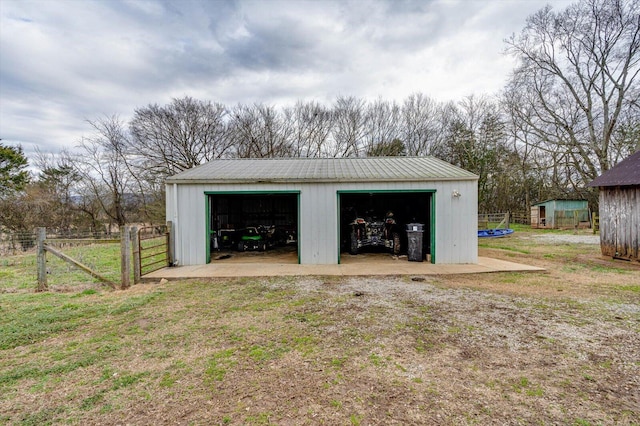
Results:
x,y
625,173
368,169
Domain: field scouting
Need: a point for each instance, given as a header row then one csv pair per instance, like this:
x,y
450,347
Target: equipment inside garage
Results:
x,y
377,221
265,222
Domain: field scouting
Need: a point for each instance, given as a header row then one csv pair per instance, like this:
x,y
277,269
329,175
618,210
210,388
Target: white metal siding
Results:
x,y
457,223
455,217
318,224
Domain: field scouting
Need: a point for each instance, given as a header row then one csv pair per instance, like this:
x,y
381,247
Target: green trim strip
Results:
x,y
433,227
207,218
288,191
208,212
338,223
432,215
298,228
382,191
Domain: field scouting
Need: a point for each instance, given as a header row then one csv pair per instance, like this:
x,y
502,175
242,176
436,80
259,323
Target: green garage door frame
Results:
x,y
208,213
432,208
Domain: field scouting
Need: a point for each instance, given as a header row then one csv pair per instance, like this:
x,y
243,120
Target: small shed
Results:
x,y
619,209
560,213
315,199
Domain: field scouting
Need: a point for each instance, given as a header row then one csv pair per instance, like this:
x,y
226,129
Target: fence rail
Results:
x,y
502,219
79,253
493,220
13,243
521,218
64,260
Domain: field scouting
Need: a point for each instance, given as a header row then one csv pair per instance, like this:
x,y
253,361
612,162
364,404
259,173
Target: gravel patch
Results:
x,y
566,238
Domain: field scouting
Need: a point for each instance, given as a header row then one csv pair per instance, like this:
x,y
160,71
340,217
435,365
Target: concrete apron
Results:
x,y
222,270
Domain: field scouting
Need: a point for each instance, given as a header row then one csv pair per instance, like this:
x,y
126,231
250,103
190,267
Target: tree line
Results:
x,y
569,112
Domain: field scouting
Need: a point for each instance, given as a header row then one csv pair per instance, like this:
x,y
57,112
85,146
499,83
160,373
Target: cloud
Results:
x,y
67,61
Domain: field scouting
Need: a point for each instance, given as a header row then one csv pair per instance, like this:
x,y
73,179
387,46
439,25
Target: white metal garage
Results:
x,y
315,196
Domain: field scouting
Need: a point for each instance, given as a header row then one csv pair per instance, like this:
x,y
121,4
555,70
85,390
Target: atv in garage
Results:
x,y
372,232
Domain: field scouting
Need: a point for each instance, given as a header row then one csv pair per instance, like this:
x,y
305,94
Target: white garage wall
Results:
x,y
455,217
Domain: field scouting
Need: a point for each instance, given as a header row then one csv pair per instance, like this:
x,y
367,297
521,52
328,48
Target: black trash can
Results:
x,y
414,242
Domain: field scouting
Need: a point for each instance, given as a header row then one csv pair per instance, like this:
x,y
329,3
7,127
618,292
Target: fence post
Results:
x,y
170,242
42,260
125,258
136,255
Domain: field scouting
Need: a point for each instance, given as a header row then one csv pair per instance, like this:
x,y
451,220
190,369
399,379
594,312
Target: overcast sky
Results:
x,y
65,61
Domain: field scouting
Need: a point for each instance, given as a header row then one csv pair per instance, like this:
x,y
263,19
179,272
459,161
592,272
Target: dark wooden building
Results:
x,y
620,209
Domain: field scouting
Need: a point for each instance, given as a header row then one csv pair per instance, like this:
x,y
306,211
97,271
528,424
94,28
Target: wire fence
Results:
x,y
99,251
80,259
15,243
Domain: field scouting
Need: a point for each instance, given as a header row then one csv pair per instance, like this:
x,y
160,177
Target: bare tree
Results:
x,y
382,124
577,79
349,127
22,211
421,125
476,141
394,148
310,124
258,131
58,183
529,167
103,167
179,136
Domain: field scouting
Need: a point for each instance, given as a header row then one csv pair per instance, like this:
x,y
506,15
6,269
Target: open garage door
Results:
x,y
381,218
253,227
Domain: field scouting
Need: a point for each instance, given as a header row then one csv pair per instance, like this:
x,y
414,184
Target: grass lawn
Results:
x,y
558,347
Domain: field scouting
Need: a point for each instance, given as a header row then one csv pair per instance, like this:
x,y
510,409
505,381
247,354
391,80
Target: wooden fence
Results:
x,y
493,220
520,218
44,245
595,222
130,254
572,218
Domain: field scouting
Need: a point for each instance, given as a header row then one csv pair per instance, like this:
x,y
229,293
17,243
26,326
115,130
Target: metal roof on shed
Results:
x,y
322,170
626,172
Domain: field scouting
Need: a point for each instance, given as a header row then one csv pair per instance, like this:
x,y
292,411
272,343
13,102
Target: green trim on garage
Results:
x,y
433,227
432,207
208,213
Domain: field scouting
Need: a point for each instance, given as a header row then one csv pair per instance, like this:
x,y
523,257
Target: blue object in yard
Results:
x,y
494,233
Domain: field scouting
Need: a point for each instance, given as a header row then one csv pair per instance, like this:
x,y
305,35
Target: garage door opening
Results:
x,y
373,224
253,228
